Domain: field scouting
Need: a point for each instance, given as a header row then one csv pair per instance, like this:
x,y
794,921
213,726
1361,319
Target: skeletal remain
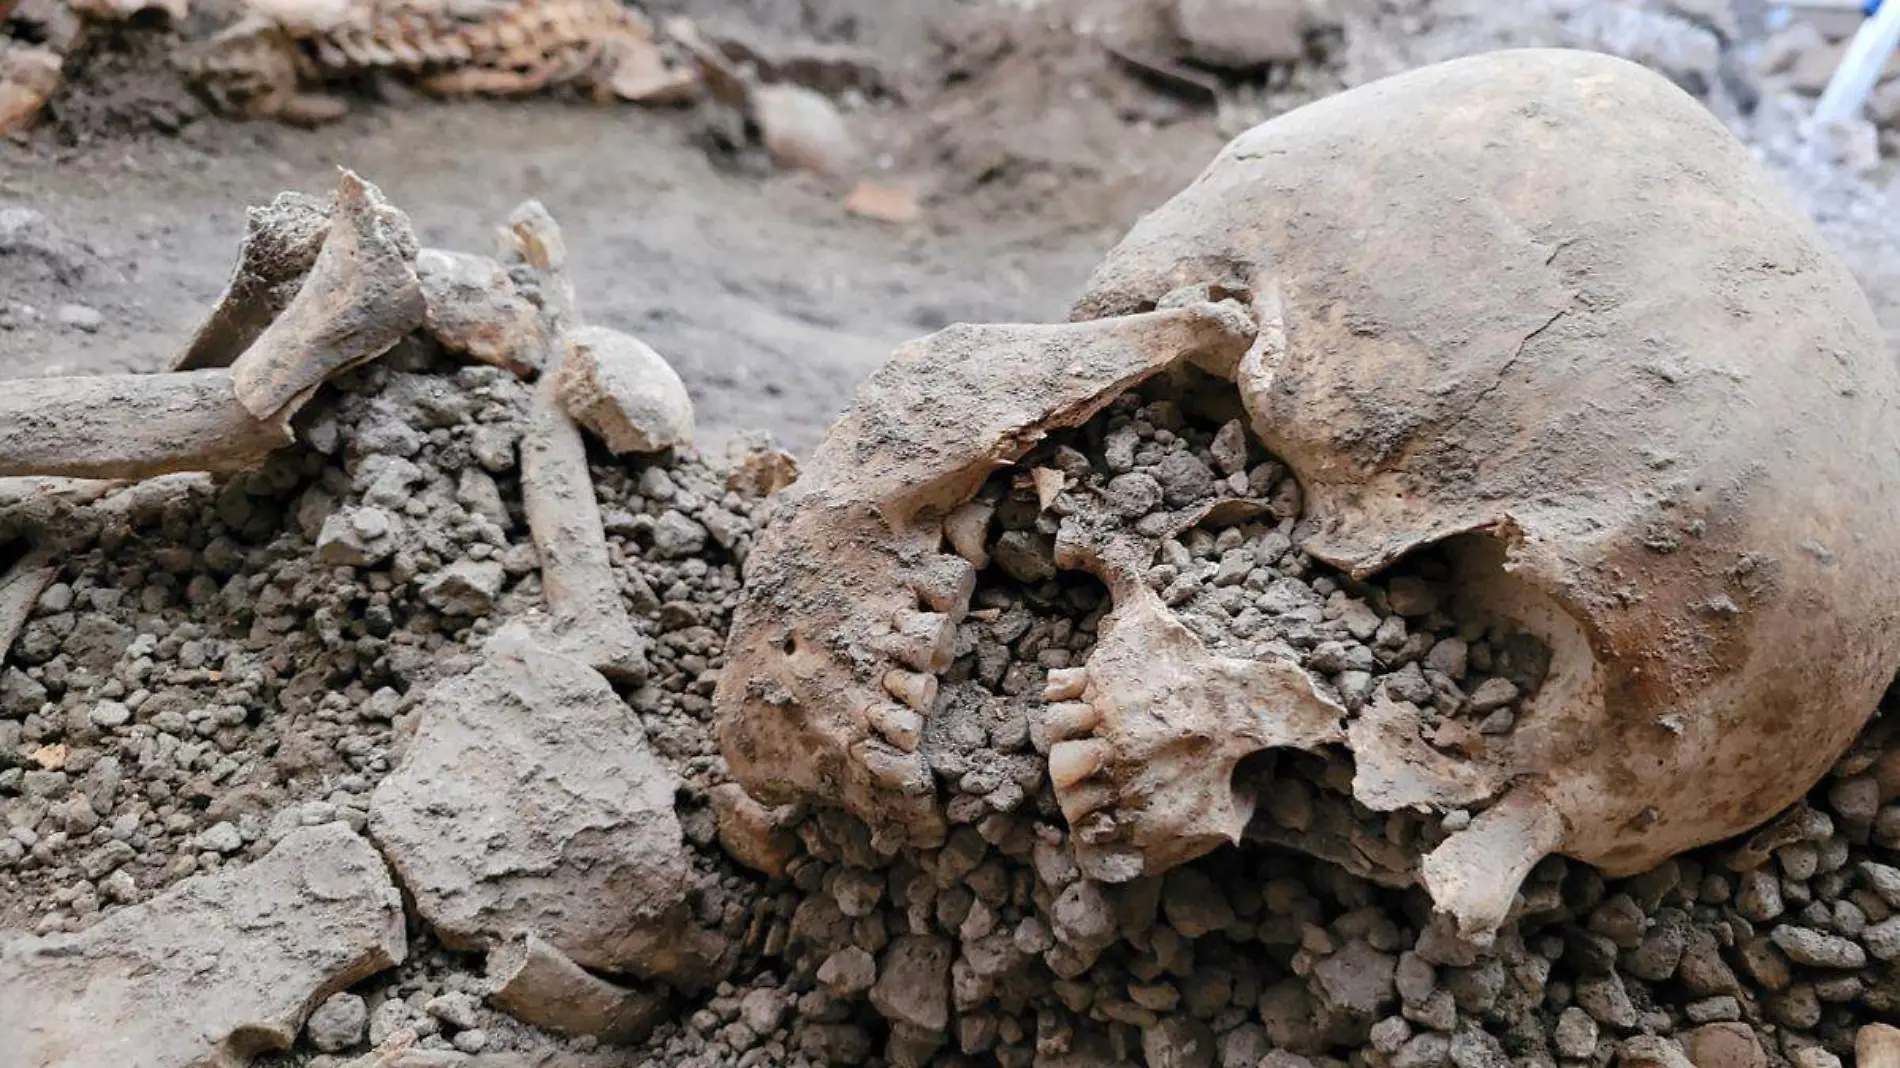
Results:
x,y
537,984
29,76
589,619
1476,347
19,589
475,309
360,298
851,585
131,426
276,60
281,245
623,391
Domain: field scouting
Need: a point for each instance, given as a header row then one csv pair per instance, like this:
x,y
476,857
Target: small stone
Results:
x,y
1411,597
1229,448
913,984
1133,495
1178,1042
1449,658
763,1010
1493,694
1724,1045
109,715
1194,904
848,972
1576,1034
676,536
1607,1001
221,838
1817,950
457,1009
1184,479
464,588
338,1023
361,537
473,1040
1883,939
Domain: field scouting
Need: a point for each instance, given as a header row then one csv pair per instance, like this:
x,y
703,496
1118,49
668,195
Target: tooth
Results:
x,y
968,529
946,584
894,770
1078,801
899,725
1071,762
1065,684
915,689
1061,722
923,640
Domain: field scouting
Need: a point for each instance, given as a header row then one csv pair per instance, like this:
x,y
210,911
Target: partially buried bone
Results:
x,y
1660,443
475,309
130,426
590,621
359,299
623,391
537,984
281,244
20,588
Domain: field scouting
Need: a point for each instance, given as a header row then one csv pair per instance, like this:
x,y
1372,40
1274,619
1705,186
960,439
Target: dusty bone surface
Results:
x,y
1673,480
213,972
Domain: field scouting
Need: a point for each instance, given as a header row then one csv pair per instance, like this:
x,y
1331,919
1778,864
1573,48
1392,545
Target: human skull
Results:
x,y
1537,309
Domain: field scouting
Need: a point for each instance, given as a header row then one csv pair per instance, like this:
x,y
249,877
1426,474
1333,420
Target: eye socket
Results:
x,y
789,644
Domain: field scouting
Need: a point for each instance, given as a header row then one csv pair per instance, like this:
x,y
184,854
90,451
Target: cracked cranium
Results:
x,y
1536,311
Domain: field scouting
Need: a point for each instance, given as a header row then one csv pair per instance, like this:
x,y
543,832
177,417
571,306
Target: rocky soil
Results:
x,y
231,686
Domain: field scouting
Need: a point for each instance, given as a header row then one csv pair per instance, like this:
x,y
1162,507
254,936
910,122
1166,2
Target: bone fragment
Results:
x,y
360,298
19,590
280,247
1474,874
968,528
623,391
537,984
28,78
130,426
589,619
475,309
210,973
749,833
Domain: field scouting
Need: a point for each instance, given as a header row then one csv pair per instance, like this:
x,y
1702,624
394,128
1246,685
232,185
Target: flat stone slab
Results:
x,y
528,802
210,973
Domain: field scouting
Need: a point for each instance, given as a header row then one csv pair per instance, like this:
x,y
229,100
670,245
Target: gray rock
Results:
x,y
1817,950
676,535
1883,939
357,537
913,983
221,838
1184,479
1178,1042
529,801
464,588
1358,980
1194,904
338,1023
214,970
1133,495
1575,1035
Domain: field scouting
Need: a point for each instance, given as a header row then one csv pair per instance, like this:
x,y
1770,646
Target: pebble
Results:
x,y
338,1024
1817,950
